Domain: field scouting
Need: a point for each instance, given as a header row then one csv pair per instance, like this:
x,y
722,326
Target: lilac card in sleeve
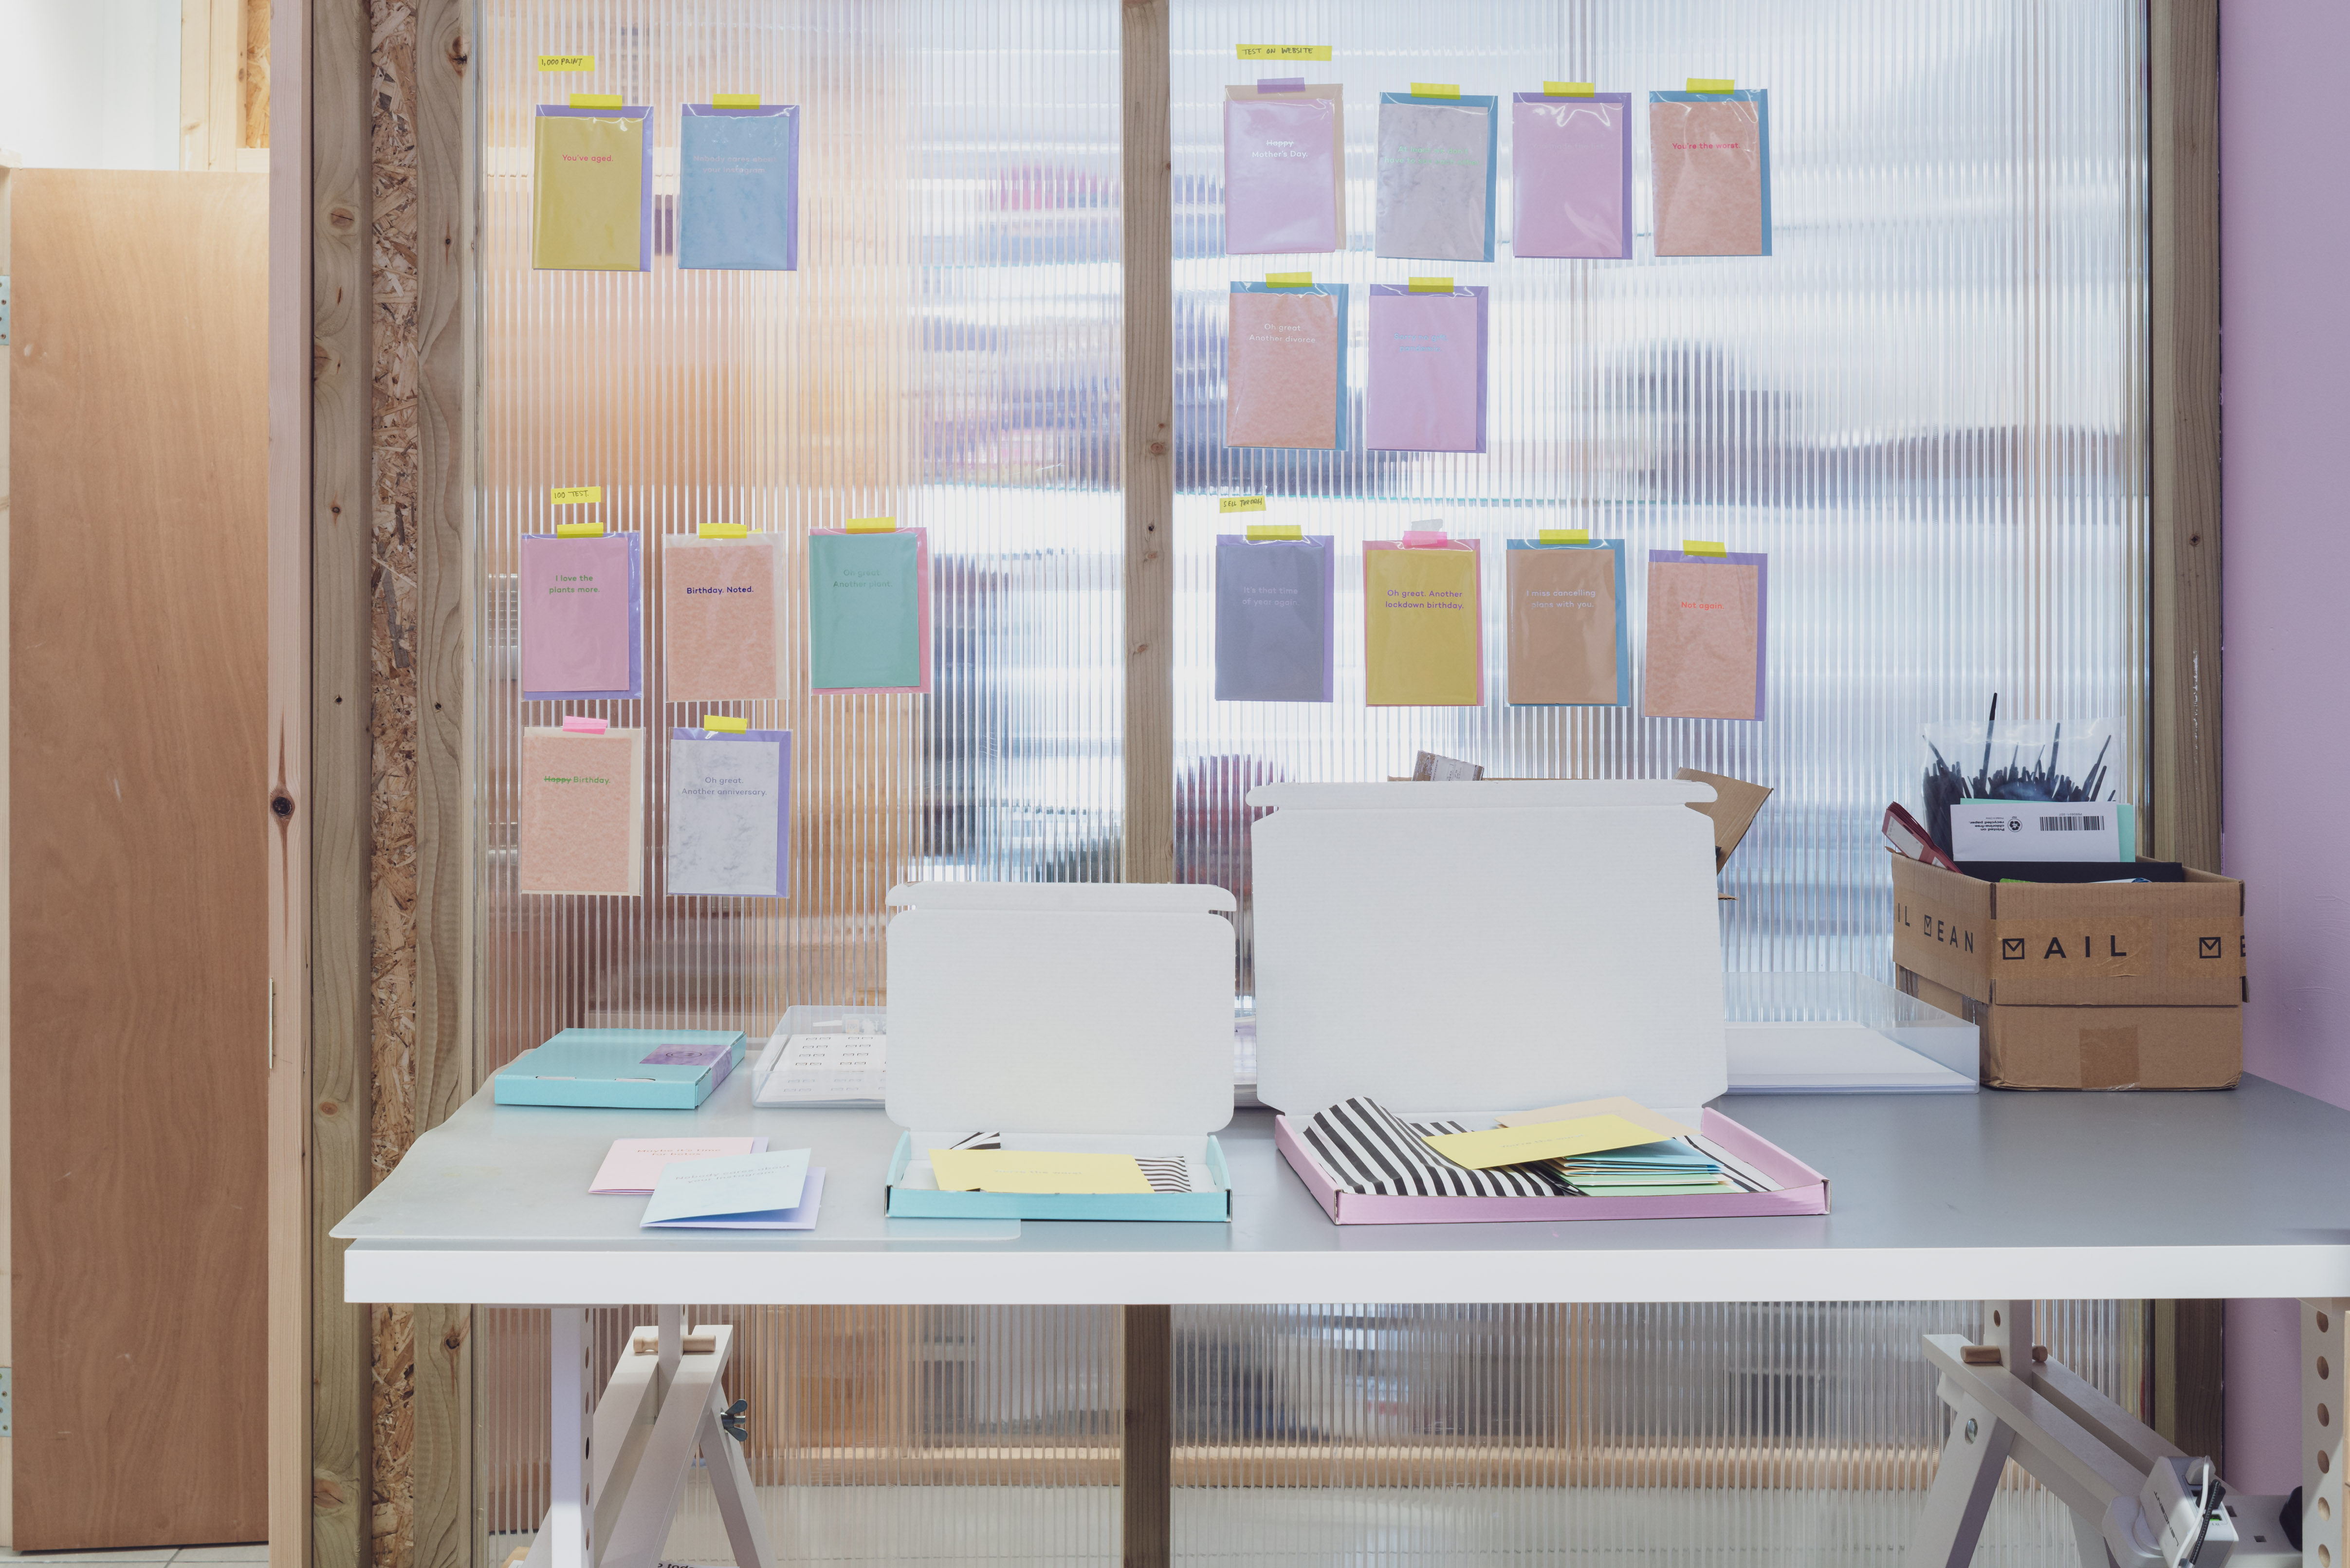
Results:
x,y
1572,164
1427,391
1275,638
1283,157
582,618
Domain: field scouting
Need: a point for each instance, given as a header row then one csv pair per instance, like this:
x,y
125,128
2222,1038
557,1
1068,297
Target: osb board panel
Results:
x,y
138,693
391,870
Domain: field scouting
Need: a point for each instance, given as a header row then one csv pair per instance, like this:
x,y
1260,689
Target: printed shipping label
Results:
x,y
2036,830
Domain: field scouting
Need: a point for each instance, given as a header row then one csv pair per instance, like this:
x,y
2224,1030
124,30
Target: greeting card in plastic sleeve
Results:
x,y
581,825
1436,177
592,190
1710,153
730,813
1709,628
1286,371
868,610
1274,636
738,192
1427,381
582,618
1570,640
1423,628
1571,165
721,615
1284,162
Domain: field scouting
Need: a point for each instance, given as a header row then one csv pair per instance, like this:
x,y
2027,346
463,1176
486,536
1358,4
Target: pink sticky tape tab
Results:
x,y
581,724
1424,538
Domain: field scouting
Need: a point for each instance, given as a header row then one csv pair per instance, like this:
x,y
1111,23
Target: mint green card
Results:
x,y
868,612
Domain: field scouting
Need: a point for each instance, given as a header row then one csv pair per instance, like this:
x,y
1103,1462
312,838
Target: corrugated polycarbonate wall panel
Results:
x,y
1927,407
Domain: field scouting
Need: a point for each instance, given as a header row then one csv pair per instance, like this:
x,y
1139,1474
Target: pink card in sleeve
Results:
x,y
1283,158
1286,367
582,822
1427,389
1572,167
722,615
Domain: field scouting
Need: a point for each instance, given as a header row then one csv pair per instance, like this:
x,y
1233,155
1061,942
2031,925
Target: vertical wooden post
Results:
x,y
2325,1522
1147,1468
2183,793
2189,1354
289,834
441,1457
342,492
1148,467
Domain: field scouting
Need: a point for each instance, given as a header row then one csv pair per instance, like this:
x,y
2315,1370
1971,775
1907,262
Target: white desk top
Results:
x,y
1936,1197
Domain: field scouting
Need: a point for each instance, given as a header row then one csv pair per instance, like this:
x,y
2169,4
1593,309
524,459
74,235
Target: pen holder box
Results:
x,y
1064,1016
1497,946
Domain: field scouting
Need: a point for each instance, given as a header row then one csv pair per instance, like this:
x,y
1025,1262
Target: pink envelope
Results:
x,y
1427,389
1571,159
1283,158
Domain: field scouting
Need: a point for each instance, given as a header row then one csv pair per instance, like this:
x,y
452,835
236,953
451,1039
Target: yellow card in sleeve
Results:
x,y
1541,1140
1035,1170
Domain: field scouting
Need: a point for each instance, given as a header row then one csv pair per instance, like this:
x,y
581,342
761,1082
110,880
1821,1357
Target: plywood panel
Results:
x,y
137,904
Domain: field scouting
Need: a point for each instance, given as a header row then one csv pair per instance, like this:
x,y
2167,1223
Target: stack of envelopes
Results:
x,y
1671,1166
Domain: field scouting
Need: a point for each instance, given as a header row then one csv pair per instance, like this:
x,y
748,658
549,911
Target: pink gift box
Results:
x,y
1801,1191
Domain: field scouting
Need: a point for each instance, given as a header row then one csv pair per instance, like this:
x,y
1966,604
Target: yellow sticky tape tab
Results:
x,y
579,530
734,100
1569,89
1566,537
724,725
1289,280
721,531
872,525
1226,505
567,62
1260,532
574,494
1712,84
1704,547
595,100
1436,90
1430,286
1282,51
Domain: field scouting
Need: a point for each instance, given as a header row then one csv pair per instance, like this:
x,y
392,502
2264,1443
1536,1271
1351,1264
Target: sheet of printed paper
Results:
x,y
1273,619
1283,167
1710,162
591,208
633,1165
727,1186
738,188
1659,1126
868,611
1427,384
1571,165
1541,1140
582,628
830,1067
1035,1170
1565,625
1286,367
1436,177
730,813
1423,630
1706,636
722,616
2036,830
582,819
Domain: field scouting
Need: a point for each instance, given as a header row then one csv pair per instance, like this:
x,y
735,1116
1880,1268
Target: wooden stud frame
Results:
x,y
317,879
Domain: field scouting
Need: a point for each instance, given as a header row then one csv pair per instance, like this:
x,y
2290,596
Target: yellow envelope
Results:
x,y
588,194
1631,1110
1423,638
1542,1140
1035,1170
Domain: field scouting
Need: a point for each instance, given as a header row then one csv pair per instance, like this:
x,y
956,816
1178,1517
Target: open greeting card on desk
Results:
x,y
1090,1024
1573,944
634,1165
770,1191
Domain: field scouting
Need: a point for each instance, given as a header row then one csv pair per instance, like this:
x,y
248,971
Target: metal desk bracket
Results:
x,y
620,1461
2091,1453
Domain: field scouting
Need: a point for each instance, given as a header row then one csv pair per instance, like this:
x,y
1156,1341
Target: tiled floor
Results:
x,y
253,1555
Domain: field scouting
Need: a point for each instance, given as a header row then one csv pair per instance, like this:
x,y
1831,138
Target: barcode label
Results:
x,y
2071,824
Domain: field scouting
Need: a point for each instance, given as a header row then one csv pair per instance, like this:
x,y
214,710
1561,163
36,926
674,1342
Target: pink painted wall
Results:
x,y
2285,242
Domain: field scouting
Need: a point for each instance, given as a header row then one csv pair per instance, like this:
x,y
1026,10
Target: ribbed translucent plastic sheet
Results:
x,y
1348,1434
1927,406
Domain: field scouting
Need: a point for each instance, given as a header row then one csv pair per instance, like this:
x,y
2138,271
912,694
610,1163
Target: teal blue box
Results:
x,y
605,1069
929,1203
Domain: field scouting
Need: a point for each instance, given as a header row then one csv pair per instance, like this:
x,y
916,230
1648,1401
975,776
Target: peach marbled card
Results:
x,y
582,822
722,614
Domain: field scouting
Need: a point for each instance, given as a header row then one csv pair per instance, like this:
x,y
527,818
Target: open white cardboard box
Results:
x,y
1466,949
1066,1016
